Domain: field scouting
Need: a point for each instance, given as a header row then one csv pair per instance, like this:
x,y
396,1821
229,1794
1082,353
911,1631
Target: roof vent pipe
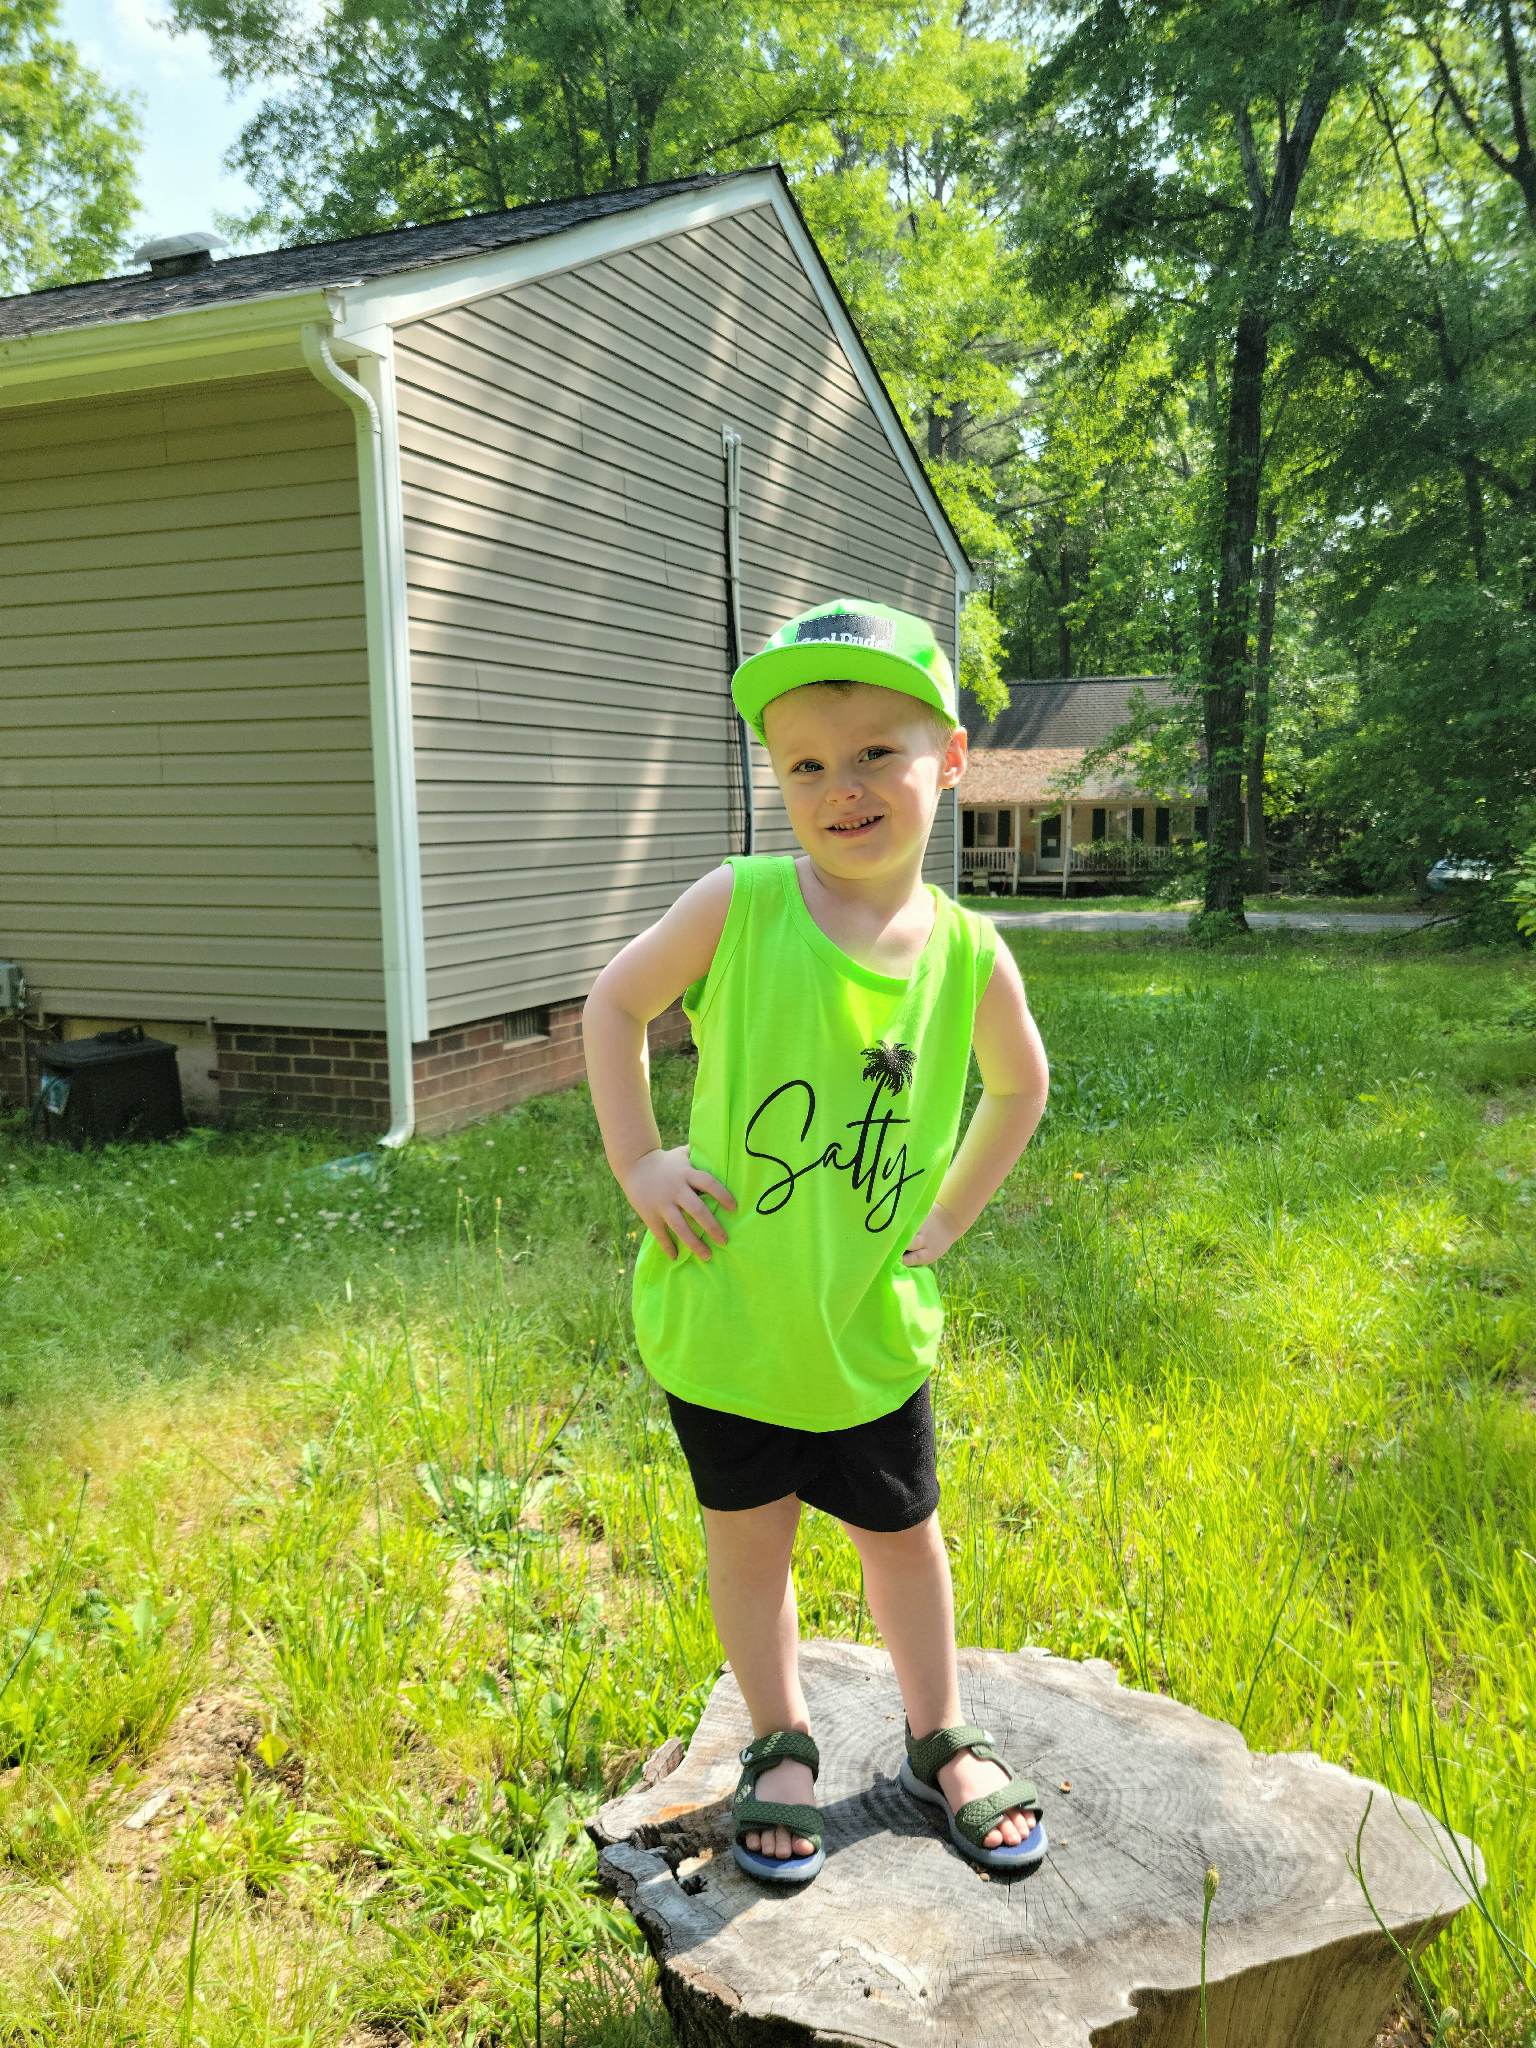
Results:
x,y
174,255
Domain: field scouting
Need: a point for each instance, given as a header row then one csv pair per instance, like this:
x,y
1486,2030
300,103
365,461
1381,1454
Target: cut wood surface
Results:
x,y
901,1940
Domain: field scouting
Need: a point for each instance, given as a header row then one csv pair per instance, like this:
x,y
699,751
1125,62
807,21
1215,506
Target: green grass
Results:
x,y
371,1487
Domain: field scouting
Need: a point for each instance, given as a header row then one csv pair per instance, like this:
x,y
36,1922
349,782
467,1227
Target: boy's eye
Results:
x,y
808,763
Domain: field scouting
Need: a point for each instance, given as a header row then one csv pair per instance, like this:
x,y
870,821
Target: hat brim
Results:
x,y
762,677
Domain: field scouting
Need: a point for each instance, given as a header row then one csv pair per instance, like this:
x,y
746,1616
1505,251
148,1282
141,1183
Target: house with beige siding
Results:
x,y
1046,804
369,613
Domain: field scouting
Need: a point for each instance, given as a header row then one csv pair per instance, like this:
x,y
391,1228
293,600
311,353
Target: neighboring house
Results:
x,y
1019,827
371,608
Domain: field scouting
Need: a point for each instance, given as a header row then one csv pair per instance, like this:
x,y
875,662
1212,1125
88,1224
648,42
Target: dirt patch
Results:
x,y
462,1591
193,1771
1405,2029
587,1553
1453,1688
584,1555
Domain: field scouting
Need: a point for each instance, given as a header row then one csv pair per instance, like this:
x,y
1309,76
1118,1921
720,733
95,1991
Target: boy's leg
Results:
x,y
752,1596
911,1596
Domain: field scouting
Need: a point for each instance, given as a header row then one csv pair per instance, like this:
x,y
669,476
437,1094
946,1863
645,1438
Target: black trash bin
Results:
x,y
118,1084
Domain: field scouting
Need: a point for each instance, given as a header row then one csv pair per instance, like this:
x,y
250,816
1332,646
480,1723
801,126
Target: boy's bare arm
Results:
x,y
1014,1080
637,984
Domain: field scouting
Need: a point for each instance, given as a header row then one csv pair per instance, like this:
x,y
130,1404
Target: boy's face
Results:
x,y
841,755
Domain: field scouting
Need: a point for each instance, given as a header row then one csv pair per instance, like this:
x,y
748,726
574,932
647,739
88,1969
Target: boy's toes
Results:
x,y
776,1842
1014,1827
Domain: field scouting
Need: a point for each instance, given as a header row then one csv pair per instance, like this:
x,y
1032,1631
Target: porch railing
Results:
x,y
1120,857
1098,857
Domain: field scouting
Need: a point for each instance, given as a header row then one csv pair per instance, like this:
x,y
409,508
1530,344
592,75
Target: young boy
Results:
x,y
834,999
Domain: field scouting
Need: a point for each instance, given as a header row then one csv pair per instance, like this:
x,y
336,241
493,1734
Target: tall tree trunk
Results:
x,y
1225,680
1063,599
1258,710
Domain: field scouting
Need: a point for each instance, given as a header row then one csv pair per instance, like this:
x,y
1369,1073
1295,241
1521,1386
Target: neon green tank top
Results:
x,y
828,1100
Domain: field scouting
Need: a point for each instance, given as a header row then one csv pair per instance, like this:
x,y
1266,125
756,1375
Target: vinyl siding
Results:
x,y
576,755
186,774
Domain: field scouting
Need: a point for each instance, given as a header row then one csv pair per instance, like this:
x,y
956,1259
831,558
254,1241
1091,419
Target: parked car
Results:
x,y
1451,868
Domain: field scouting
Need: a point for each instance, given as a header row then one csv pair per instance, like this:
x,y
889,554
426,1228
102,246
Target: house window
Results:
x,y
967,828
521,1024
1162,825
1138,822
1005,828
1202,820
1100,823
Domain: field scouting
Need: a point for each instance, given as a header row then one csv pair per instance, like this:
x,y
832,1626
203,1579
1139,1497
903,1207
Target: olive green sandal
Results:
x,y
920,1775
750,1812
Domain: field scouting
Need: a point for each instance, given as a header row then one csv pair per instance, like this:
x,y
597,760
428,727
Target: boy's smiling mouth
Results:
x,y
856,828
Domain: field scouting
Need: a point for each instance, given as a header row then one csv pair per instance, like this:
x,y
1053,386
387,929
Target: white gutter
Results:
x,y
166,346
389,696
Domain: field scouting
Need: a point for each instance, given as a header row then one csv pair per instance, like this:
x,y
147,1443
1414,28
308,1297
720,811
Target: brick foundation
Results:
x,y
287,1074
11,1090
473,1070
290,1074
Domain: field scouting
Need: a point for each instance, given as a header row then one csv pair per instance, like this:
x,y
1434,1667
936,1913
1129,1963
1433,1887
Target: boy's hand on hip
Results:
x,y
666,1190
935,1234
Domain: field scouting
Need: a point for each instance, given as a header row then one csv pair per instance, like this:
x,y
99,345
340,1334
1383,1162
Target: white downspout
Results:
x,y
405,1018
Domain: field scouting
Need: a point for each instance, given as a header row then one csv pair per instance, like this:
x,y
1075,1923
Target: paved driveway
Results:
x,y
1178,920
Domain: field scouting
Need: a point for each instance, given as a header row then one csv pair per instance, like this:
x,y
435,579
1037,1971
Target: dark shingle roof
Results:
x,y
314,265
1079,713
1042,734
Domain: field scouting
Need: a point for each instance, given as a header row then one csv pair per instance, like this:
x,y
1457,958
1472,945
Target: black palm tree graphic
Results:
x,y
888,1066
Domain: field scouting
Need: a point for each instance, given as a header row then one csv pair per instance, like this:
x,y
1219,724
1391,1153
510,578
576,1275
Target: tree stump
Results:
x,y
901,1940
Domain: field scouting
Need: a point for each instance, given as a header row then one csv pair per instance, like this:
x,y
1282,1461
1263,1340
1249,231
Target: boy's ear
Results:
x,y
952,767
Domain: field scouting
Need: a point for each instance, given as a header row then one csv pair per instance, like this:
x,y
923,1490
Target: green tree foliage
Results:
x,y
1389,434
67,148
1162,155
1418,444
391,112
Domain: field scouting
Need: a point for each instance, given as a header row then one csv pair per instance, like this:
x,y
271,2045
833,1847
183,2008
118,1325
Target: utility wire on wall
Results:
x,y
731,443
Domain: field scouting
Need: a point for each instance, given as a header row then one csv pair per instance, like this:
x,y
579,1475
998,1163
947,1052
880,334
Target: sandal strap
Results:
x,y
925,1756
776,1813
748,1811
778,1743
978,1817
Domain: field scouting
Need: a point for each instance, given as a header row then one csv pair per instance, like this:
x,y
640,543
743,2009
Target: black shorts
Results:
x,y
878,1475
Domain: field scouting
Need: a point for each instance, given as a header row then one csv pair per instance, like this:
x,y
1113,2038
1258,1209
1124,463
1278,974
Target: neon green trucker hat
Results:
x,y
852,639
